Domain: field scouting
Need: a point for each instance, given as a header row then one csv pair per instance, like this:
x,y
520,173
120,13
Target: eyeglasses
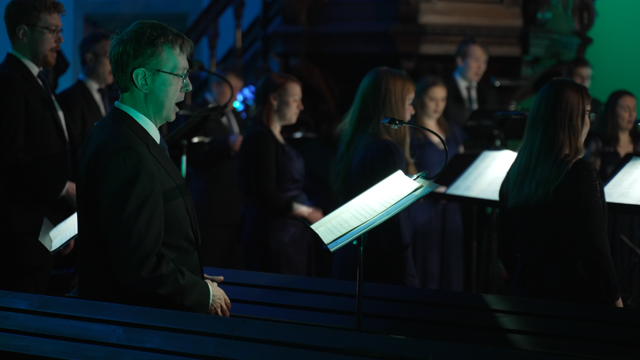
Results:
x,y
99,55
54,32
591,115
184,77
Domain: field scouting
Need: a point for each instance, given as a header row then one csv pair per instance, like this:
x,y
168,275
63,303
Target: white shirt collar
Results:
x,y
462,82
91,84
141,119
30,65
94,88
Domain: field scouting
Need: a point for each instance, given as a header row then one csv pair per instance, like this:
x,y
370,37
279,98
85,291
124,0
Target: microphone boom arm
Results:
x,y
394,123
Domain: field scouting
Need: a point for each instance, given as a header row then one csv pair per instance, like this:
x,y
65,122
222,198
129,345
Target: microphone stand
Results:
x,y
361,241
394,123
177,136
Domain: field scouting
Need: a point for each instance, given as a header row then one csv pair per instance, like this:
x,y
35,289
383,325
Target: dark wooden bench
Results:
x,y
546,327
54,327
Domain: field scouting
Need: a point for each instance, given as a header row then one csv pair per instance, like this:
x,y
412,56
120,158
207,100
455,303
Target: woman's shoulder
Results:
x,y
259,136
582,166
382,151
385,145
582,173
258,130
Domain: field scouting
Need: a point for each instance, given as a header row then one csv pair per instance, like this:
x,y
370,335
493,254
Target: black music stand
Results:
x,y
359,234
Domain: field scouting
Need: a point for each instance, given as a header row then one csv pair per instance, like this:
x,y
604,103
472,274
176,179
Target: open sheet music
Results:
x,y
370,208
482,180
53,237
624,188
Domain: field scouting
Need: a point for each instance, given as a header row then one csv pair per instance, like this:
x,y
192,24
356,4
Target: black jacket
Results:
x,y
138,234
456,110
81,112
34,164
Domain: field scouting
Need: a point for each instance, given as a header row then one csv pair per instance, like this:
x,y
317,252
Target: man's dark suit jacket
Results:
x,y
34,171
81,112
456,111
214,184
138,235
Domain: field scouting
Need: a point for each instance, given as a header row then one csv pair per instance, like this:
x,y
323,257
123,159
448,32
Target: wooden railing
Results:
x,y
255,36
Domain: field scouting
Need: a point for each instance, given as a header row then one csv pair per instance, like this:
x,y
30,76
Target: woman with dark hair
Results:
x,y
271,176
617,134
553,217
436,227
369,152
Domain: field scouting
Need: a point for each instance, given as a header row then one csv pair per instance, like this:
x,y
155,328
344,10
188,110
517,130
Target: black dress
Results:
x,y
436,226
558,250
387,255
607,159
271,175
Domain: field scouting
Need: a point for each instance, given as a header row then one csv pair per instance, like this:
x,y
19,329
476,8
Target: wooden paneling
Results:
x,y
470,13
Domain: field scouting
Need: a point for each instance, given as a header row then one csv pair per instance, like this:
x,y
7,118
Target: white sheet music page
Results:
x,y
54,237
365,207
482,180
64,231
624,188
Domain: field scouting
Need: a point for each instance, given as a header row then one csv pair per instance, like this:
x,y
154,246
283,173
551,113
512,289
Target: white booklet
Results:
x,y
371,208
482,180
624,188
53,237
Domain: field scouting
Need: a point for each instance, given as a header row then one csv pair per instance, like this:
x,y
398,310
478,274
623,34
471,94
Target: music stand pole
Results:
x,y
360,281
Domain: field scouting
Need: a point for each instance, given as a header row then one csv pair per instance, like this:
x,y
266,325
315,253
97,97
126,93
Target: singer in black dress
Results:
x,y
553,217
271,175
617,134
369,152
436,225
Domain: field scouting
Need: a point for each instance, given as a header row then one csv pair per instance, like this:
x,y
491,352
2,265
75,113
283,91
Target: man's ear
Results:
x,y
22,33
141,80
459,61
89,58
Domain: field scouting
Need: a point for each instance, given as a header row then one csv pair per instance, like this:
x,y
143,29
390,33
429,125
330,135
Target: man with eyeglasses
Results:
x,y
34,156
86,101
138,238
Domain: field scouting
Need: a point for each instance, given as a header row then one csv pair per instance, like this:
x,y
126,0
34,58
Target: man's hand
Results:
x,y
70,193
215,279
619,302
315,215
234,142
67,248
220,303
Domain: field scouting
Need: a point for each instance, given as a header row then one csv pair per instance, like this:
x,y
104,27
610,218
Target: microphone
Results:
x,y
510,115
197,116
197,65
394,123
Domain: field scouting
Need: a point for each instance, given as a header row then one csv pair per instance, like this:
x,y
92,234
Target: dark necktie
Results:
x,y
47,89
104,94
469,98
163,145
45,83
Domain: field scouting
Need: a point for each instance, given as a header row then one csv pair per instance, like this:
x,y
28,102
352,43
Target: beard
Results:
x,y
49,59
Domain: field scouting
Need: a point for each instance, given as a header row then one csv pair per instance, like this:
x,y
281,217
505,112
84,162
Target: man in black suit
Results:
x,y
138,235
212,175
86,102
465,93
34,155
580,70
